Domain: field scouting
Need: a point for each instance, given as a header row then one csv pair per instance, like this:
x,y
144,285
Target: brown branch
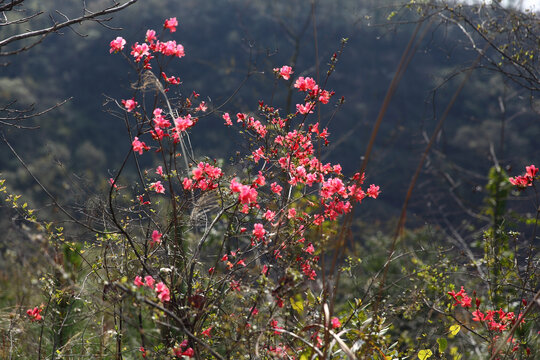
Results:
x,y
57,26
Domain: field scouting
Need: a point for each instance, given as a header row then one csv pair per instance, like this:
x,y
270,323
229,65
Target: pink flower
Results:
x,y
276,188
227,119
171,24
291,213
138,146
531,171
156,237
373,191
258,231
305,84
149,281
202,107
310,249
171,48
269,215
187,183
335,323
285,72
183,123
157,187
171,80
140,50
304,109
138,281
129,104
163,292
117,45
159,170
150,36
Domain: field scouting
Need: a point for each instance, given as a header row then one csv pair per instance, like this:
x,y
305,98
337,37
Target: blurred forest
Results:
x,y
231,48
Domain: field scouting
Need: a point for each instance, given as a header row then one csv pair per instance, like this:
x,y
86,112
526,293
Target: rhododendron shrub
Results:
x,y
221,257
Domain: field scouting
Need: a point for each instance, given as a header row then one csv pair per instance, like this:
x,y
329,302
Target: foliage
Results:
x,y
252,255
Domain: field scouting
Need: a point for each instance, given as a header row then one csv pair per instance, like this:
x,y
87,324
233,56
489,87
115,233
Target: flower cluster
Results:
x,y
523,181
204,177
162,291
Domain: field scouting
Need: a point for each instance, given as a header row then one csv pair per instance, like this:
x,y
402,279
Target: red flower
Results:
x,y
34,314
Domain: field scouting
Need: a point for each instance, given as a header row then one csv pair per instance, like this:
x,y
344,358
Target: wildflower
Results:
x,y
139,146
207,332
183,123
149,281
284,72
227,119
34,314
276,188
304,109
117,45
140,50
150,36
171,24
143,351
163,292
258,231
138,281
157,187
156,238
335,323
305,84
461,298
129,104
373,191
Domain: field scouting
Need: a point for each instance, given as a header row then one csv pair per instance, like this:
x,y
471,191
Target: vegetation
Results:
x,y
267,182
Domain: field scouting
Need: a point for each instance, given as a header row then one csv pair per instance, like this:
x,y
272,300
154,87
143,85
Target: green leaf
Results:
x,y
424,354
443,343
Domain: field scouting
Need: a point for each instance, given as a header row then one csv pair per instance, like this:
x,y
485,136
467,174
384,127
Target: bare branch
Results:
x,y
59,25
